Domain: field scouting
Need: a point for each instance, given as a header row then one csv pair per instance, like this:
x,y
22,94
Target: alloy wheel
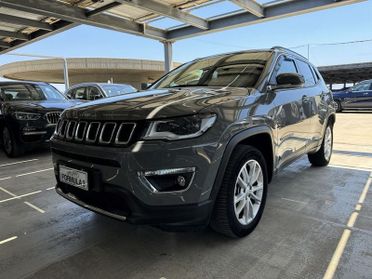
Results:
x,y
328,143
248,192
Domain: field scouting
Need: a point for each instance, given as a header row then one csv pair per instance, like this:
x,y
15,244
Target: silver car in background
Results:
x,y
94,91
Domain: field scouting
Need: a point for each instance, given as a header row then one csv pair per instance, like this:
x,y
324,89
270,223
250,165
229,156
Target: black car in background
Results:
x,y
93,91
29,112
356,97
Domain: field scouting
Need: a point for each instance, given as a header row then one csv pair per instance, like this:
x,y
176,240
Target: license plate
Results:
x,y
73,177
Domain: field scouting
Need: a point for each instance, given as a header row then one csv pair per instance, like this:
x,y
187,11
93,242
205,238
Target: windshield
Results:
x,y
232,70
117,89
29,92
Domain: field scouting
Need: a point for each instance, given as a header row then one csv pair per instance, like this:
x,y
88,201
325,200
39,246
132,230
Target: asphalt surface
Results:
x,y
317,221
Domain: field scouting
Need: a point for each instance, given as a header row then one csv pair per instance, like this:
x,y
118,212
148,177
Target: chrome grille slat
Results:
x,y
81,125
121,127
104,127
52,117
70,131
93,139
63,128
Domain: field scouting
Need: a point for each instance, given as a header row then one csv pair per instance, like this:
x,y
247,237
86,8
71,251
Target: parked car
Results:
x,y
356,97
201,145
93,91
29,112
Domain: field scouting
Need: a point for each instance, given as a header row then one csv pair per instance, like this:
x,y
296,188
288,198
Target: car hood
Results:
x,y
40,106
154,104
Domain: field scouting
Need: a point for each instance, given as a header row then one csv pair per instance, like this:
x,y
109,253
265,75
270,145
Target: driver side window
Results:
x,y
284,65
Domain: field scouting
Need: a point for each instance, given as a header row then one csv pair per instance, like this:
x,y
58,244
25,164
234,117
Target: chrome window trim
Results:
x,y
119,130
88,131
77,130
100,140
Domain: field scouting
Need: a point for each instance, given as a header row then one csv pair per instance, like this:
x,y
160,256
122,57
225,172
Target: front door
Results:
x,y
290,119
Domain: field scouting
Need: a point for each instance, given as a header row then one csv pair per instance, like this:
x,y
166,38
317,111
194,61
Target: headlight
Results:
x,y
180,128
27,115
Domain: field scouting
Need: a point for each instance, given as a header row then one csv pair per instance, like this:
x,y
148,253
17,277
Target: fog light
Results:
x,y
181,180
168,180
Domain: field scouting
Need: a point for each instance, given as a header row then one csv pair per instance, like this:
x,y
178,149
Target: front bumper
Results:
x,y
123,206
117,190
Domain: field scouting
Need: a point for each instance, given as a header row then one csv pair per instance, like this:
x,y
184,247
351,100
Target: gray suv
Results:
x,y
200,146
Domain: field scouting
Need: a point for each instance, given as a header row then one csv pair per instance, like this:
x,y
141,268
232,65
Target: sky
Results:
x,y
342,24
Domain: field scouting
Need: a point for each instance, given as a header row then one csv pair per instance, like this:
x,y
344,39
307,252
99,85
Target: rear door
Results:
x,y
292,134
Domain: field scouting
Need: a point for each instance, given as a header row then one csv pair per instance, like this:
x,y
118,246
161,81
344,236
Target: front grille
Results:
x,y
95,132
52,117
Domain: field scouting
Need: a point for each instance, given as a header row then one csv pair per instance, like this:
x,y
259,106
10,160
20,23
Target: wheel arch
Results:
x,y
331,119
259,137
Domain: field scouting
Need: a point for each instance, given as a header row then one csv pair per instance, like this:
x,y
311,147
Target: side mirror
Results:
x,y
290,80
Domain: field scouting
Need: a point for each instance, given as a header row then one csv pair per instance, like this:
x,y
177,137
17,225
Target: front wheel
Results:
x,y
241,200
323,156
10,146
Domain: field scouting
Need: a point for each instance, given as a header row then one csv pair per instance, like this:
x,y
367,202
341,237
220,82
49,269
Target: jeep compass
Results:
x,y
200,146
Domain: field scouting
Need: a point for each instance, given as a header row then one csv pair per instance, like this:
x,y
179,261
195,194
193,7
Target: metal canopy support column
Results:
x,y
168,56
65,74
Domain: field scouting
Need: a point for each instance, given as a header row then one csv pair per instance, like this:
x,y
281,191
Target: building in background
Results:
x,y
132,71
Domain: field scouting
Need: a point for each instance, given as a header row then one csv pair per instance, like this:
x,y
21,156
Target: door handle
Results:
x,y
365,94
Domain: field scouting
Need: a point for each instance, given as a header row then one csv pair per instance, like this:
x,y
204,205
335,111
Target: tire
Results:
x,y
10,146
338,106
224,219
324,154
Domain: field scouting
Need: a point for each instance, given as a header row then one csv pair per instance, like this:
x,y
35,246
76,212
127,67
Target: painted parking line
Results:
x,y
5,178
350,168
21,196
333,264
19,162
28,173
8,239
14,196
6,191
294,201
34,207
50,188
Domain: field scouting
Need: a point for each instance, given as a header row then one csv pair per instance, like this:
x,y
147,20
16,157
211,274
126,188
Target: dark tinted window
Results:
x,y
29,92
284,65
316,74
232,70
94,93
80,93
305,70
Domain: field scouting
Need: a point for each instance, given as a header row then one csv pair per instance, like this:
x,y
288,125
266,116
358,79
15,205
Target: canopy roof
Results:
x,y
26,21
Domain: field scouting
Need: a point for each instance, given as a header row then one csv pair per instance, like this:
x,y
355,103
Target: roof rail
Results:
x,y
287,50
